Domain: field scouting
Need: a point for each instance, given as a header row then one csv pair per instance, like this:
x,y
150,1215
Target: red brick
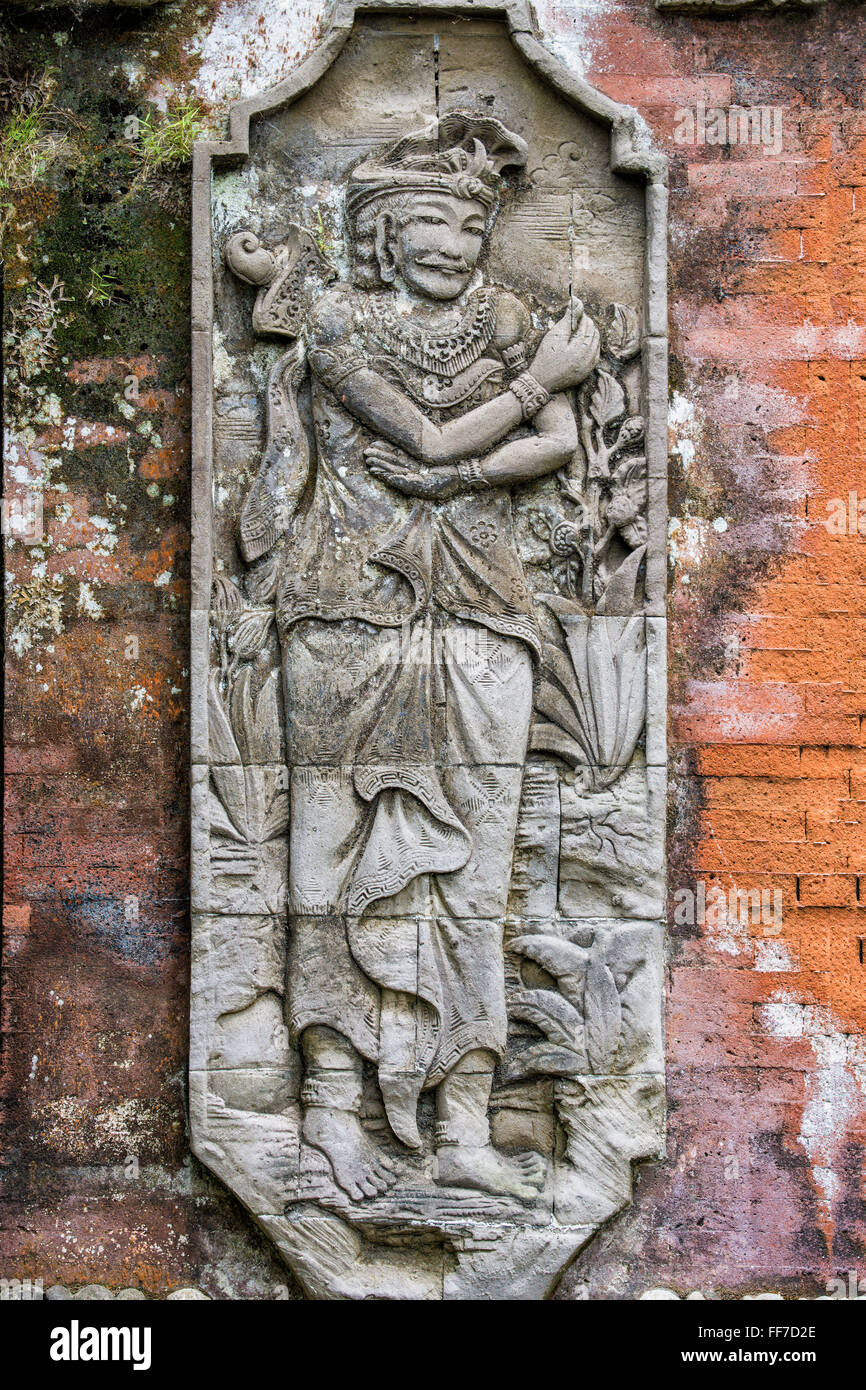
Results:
x,y
827,890
749,760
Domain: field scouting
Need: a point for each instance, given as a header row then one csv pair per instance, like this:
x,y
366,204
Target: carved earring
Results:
x,y
384,255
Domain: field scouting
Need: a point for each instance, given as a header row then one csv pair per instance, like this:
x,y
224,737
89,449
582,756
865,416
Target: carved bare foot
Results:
x,y
520,1175
359,1167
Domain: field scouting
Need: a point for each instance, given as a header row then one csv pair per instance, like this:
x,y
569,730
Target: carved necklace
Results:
x,y
443,353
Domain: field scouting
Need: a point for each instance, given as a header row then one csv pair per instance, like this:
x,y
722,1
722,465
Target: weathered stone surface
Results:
x,y
728,7
429,720
762,1185
90,1292
84,4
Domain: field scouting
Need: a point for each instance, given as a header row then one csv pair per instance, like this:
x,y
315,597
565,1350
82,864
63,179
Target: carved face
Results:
x,y
433,244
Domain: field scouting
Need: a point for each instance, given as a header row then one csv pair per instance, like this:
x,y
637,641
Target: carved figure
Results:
x,y
408,641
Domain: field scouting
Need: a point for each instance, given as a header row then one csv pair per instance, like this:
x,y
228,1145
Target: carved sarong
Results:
x,y
401,844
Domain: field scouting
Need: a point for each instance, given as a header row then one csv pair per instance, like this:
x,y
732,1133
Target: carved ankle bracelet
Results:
x,y
332,1090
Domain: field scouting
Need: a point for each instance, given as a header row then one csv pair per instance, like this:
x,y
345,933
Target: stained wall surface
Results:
x,y
763,1183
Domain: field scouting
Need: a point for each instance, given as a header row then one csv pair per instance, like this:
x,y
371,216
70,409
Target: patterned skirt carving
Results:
x,y
406,749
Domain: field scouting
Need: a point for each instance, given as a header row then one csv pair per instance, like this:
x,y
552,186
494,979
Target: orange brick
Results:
x,y
827,890
822,762
16,916
748,760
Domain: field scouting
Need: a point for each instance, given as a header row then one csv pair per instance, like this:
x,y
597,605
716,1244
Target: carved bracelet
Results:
x,y
471,476
530,393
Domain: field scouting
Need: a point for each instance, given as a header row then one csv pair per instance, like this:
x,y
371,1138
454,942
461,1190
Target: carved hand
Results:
x,y
567,353
400,471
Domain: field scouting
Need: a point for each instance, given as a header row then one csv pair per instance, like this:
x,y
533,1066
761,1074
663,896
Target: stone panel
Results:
x,y
429,738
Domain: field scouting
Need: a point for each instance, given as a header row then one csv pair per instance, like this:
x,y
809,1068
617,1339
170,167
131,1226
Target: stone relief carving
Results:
x,y
428,815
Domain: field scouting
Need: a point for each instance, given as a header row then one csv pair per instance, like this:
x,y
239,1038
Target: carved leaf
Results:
x,y
254,778
250,632
547,738
268,718
631,472
558,1019
562,959
550,701
558,669
603,1017
547,1060
223,744
277,820
220,823
261,581
232,792
622,339
242,712
608,400
621,591
256,719
226,601
605,707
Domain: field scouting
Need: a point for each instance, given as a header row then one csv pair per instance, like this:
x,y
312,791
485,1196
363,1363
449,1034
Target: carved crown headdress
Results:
x,y
460,154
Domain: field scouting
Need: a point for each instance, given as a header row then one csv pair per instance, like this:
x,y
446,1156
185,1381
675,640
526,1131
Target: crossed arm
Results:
x,y
421,458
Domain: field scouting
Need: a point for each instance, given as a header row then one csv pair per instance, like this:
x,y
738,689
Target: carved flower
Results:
x,y
622,509
625,509
484,534
586,207
562,537
630,432
557,170
566,541
565,538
